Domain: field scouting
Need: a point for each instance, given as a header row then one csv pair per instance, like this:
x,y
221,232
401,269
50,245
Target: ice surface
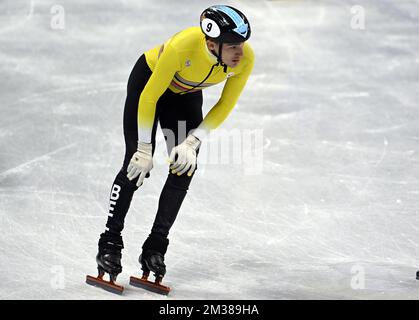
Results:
x,y
333,214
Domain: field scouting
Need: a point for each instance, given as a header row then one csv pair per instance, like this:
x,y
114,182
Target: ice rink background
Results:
x,y
332,215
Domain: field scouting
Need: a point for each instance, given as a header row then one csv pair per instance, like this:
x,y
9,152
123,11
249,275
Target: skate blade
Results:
x,y
106,285
148,285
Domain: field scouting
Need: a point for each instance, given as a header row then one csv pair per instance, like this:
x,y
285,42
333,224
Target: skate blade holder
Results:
x,y
106,285
144,283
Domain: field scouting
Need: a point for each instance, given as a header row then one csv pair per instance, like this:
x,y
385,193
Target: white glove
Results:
x,y
141,162
186,156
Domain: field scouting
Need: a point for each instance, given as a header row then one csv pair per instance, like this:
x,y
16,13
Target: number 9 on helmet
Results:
x,y
225,24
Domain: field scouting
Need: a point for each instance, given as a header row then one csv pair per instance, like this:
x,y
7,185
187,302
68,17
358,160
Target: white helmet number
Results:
x,y
210,28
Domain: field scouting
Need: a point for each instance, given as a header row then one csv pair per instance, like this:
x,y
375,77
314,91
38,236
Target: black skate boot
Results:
x,y
108,260
152,259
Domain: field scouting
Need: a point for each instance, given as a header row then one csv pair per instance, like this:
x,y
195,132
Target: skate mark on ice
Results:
x,y
44,157
89,89
21,22
83,216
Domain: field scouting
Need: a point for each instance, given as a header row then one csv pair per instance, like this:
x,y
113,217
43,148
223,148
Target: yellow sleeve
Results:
x,y
231,93
167,65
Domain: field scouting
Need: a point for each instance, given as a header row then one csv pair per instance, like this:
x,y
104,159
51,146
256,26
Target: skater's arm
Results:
x,y
231,93
166,67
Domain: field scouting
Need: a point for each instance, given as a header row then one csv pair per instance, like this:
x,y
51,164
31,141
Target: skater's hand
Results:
x,y
141,163
186,156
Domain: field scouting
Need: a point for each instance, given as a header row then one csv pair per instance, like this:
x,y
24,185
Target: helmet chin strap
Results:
x,y
219,58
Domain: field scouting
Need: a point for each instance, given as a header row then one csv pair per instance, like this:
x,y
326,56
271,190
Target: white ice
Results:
x,y
332,215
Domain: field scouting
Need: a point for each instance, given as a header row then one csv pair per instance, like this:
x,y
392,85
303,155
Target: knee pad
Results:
x,y
179,182
123,181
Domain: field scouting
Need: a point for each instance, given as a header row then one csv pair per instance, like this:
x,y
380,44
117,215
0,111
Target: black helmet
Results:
x,y
225,24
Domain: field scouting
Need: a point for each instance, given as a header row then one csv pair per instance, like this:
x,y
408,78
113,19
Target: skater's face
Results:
x,y
231,53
